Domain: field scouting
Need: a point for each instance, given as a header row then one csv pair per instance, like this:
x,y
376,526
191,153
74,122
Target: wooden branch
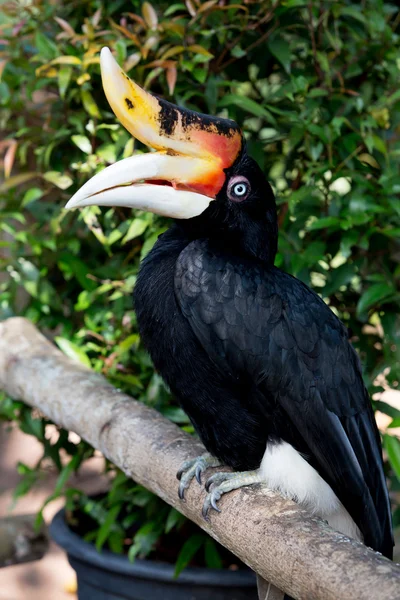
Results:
x,y
20,542
279,540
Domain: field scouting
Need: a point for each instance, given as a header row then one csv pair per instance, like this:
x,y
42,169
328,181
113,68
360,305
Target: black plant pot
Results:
x,y
108,576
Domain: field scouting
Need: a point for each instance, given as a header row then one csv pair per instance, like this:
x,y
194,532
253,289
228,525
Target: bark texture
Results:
x,y
279,540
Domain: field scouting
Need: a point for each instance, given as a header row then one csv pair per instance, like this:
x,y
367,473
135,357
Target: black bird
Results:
x,y
260,364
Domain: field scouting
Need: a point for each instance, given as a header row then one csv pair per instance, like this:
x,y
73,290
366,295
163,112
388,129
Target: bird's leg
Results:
x,y
194,468
226,482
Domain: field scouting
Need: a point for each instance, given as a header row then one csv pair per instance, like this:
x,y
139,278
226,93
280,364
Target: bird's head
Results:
x,y
199,174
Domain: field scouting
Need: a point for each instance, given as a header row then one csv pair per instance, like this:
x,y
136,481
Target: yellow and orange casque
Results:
x,y
192,153
173,130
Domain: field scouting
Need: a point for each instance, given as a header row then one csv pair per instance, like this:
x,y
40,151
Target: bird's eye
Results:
x,y
238,188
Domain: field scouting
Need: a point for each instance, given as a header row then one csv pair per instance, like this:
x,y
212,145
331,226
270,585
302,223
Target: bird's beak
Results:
x,y
185,173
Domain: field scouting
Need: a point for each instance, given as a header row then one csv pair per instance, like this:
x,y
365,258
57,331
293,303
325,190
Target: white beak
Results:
x,y
128,183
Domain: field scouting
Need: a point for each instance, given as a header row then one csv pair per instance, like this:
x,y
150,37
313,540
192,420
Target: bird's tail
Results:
x,y
267,591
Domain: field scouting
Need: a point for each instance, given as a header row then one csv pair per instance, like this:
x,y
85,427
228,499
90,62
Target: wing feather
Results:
x,y
265,325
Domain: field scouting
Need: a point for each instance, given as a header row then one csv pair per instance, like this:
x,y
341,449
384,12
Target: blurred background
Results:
x,y
316,89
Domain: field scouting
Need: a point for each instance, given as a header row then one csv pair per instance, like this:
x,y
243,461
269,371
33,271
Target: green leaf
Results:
x,y
149,243
387,409
173,8
368,159
85,299
5,94
107,526
137,227
176,414
392,447
72,350
66,60
107,152
349,239
144,540
10,409
64,78
149,15
31,195
73,265
379,144
339,277
130,380
45,46
66,473
32,426
374,295
324,223
30,477
16,180
248,105
323,61
200,74
83,143
133,551
281,50
129,343
353,12
238,52
188,550
116,541
61,180
211,555
89,104
316,150
120,48
173,520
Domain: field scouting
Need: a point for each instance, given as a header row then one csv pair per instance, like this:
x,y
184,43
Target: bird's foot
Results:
x,y
226,482
194,468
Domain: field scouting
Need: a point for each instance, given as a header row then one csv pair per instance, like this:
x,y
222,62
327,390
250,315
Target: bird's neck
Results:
x,y
257,242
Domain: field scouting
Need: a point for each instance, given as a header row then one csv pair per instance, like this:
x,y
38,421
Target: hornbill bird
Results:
x,y
257,360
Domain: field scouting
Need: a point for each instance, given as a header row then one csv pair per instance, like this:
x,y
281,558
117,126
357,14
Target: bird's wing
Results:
x,y
266,325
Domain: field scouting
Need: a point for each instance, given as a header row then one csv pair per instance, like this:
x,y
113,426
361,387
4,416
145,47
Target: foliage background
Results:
x,y
315,86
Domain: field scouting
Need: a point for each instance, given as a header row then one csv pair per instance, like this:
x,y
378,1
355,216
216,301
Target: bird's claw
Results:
x,y
216,479
198,474
184,467
223,483
181,491
194,468
211,502
215,495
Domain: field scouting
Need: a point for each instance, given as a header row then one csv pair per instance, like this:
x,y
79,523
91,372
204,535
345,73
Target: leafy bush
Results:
x,y
315,87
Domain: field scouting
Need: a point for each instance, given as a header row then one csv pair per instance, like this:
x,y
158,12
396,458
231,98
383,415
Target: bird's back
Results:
x,y
306,381
254,356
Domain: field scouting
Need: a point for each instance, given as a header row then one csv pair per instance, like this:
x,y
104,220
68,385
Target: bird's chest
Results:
x,y
216,404
162,327
168,337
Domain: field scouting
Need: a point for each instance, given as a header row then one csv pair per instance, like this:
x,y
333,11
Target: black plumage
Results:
x,y
254,356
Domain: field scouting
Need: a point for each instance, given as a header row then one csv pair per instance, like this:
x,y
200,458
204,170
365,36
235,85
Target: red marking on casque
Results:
x,y
225,149
208,186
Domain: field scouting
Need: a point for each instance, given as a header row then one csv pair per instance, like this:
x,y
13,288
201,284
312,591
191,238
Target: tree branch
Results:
x,y
276,538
